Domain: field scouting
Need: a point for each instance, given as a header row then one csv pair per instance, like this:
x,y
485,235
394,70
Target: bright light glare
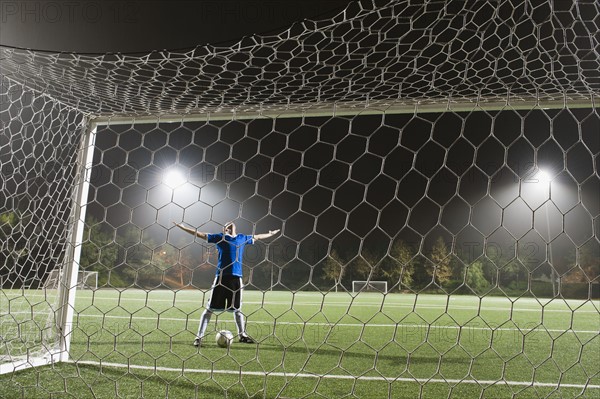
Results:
x,y
543,176
174,178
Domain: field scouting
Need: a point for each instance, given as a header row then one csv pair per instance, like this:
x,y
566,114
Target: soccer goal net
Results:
x,y
85,280
369,286
432,167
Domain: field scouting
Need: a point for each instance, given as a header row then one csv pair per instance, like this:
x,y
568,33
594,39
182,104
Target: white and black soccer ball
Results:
x,y
224,338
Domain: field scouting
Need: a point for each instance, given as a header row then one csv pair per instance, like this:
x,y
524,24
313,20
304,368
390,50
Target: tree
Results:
x,y
441,268
402,268
165,257
490,269
99,251
511,274
333,268
588,268
475,278
364,267
133,256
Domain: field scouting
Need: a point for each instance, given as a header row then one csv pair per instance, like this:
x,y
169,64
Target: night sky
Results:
x,y
138,26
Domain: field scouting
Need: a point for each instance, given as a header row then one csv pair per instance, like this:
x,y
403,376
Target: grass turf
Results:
x,y
138,344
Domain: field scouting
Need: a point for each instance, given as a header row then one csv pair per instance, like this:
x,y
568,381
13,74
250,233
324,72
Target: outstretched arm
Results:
x,y
192,231
271,233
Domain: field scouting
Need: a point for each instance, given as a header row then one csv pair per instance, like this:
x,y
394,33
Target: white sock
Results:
x,y
239,322
204,319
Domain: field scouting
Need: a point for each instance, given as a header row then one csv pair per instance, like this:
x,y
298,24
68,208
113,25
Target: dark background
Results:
x,y
350,185
424,176
139,26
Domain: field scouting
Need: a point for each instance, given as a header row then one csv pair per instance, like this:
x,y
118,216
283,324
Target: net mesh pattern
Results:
x,y
39,147
492,267
377,52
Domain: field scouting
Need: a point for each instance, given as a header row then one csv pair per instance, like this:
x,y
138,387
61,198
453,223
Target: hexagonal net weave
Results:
x,y
432,167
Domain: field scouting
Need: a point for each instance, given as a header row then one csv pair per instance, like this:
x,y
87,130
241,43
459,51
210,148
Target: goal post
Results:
x,y
369,286
60,284
70,276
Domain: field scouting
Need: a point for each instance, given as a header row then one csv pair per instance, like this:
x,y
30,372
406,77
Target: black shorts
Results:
x,y
226,294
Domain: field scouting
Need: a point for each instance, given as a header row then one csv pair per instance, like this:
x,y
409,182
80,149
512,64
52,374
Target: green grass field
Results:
x,y
134,344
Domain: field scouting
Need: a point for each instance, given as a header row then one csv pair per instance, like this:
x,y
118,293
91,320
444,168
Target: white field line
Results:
x,y
434,298
298,323
298,294
364,304
448,381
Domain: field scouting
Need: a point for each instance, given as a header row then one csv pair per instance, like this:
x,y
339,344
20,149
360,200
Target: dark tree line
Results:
x,y
125,257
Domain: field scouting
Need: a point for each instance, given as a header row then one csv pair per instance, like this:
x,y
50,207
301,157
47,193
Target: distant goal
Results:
x,y
369,286
87,280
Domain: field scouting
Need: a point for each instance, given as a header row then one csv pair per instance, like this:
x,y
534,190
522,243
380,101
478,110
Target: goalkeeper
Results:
x,y
227,286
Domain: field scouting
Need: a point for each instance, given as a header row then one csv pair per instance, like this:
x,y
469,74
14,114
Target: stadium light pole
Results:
x,y
543,177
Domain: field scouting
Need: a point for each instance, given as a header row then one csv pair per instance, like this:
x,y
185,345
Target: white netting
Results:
x,y
405,52
400,148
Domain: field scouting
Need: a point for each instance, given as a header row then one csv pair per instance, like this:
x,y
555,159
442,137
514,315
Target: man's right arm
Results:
x,y
195,232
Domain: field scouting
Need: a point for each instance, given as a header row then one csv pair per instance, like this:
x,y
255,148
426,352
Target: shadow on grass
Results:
x,y
103,381
328,350
269,345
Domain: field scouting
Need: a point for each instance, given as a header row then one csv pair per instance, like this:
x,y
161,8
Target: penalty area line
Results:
x,y
325,324
484,383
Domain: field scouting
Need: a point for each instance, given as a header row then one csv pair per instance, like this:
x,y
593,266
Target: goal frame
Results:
x,y
53,279
69,278
84,276
366,283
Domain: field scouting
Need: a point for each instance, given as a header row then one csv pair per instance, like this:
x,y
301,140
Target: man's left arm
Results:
x,y
271,233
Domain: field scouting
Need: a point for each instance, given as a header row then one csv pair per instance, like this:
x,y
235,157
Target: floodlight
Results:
x,y
543,177
174,178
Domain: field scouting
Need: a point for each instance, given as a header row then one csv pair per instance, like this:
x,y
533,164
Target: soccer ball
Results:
x,y
224,338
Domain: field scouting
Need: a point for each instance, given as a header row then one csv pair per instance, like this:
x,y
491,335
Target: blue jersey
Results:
x,y
231,252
